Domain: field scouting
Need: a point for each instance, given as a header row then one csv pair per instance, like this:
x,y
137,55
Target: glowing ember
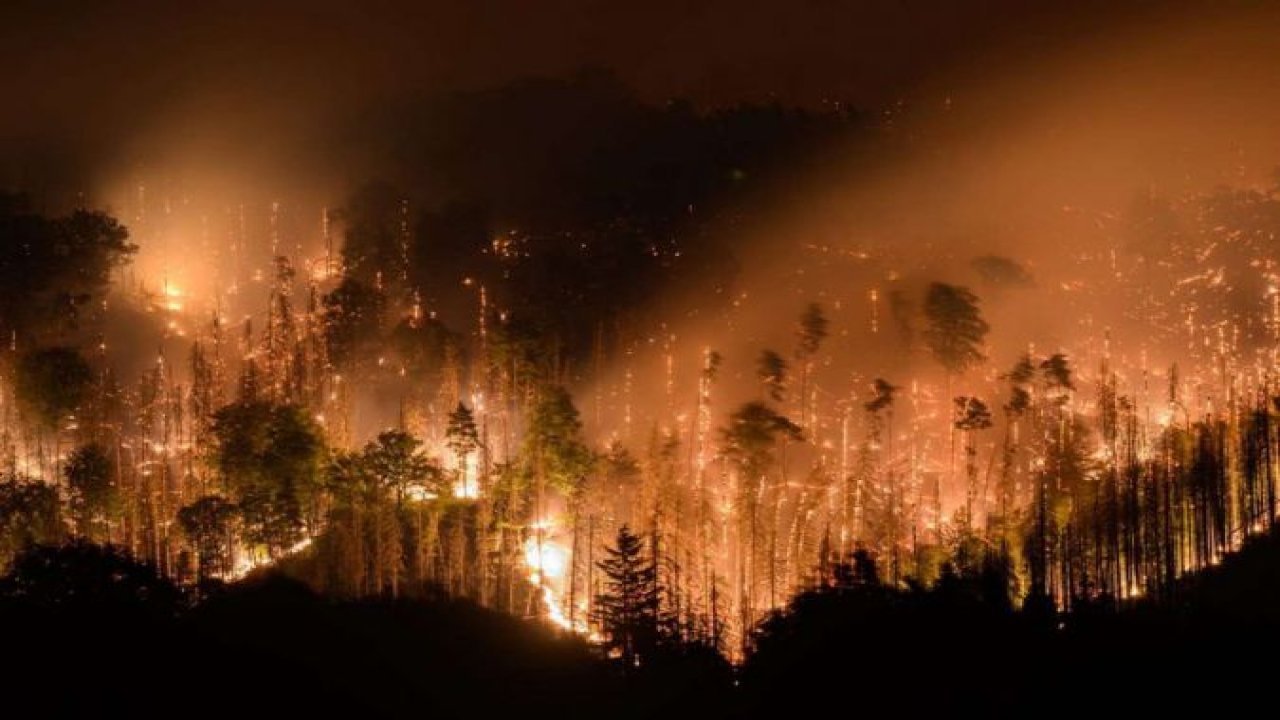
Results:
x,y
250,559
468,486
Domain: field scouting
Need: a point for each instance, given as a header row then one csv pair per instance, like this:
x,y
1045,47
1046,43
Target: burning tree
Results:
x,y
954,335
750,442
813,329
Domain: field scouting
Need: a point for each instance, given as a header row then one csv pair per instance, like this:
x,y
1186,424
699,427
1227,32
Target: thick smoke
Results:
x,y
1054,161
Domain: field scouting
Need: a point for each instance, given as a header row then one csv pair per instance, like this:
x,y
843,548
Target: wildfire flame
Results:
x,y
545,560
547,563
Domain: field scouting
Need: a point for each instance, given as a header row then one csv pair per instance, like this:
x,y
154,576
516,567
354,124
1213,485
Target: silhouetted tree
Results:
x,y
627,610
956,330
1057,372
353,315
53,269
462,437
377,239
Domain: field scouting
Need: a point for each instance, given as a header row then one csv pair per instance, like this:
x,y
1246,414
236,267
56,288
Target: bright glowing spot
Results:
x,y
252,558
170,298
467,486
545,559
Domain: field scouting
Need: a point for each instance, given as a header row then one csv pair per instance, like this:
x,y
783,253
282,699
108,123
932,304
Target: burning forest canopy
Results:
x,y
566,349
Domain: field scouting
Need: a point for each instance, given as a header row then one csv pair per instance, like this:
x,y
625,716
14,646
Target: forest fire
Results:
x,y
547,562
673,383
912,476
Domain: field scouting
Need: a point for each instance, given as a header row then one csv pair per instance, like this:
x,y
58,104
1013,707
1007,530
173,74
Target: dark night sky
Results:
x,y
798,50
92,83
85,67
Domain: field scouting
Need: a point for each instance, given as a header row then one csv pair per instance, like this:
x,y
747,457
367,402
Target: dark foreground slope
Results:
x,y
81,637
955,650
84,632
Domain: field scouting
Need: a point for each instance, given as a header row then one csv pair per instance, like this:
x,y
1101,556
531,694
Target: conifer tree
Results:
x,y
628,609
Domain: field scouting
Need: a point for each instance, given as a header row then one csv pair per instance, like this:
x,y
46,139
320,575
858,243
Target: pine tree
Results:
x,y
627,611
463,439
